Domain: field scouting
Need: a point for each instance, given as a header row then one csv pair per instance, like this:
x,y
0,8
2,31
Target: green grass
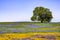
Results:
x,y
26,27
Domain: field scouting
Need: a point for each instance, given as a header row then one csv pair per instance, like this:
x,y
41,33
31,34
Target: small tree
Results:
x,y
41,14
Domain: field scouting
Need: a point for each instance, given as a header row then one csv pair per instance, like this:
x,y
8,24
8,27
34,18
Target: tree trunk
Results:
x,y
41,21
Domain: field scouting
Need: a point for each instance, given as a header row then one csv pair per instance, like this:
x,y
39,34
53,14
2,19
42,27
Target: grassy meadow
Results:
x,y
29,31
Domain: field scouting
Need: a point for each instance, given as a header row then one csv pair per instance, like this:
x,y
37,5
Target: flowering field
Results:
x,y
29,31
30,36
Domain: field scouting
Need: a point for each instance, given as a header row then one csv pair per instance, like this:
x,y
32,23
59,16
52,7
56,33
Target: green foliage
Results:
x,y
33,18
41,14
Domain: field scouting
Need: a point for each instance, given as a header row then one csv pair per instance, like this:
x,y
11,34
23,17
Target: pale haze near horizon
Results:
x,y
22,10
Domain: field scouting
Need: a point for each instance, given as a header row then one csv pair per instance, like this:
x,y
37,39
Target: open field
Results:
x,y
24,27
29,31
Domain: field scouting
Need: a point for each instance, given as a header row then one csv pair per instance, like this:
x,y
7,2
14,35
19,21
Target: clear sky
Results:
x,y
22,10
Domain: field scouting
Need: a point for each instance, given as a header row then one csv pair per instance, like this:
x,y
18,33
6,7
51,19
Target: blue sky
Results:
x,y
22,10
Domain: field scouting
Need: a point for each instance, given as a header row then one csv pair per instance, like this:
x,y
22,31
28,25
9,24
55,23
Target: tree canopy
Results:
x,y
42,14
